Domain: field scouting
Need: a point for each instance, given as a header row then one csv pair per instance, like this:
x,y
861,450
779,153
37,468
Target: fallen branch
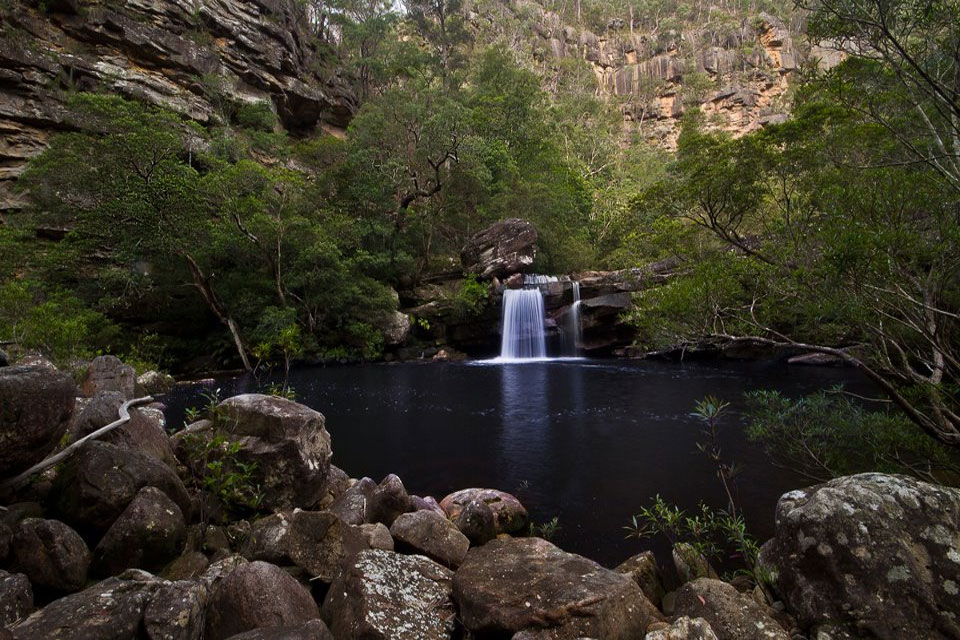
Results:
x,y
18,481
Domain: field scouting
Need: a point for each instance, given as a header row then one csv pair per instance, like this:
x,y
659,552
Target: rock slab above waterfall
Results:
x,y
501,249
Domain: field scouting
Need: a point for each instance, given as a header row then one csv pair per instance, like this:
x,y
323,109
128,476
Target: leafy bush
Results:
x,y
471,298
255,115
56,324
829,434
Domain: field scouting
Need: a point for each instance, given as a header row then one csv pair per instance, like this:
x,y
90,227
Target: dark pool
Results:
x,y
587,441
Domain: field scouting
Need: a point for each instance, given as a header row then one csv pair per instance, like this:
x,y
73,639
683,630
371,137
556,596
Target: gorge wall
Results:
x,y
191,57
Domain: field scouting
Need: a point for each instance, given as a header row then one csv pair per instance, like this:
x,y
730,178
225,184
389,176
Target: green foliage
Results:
x,y
222,474
53,323
712,534
258,116
471,298
546,530
829,434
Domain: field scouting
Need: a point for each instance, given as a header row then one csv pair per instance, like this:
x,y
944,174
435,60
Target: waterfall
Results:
x,y
573,332
523,331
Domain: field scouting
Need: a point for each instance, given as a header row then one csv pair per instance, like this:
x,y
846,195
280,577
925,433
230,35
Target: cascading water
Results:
x,y
573,331
523,330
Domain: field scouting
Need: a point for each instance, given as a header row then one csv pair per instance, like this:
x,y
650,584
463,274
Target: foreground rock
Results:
x,y
288,443
257,595
36,404
388,596
154,383
313,630
501,249
732,615
98,483
176,611
16,598
643,569
109,610
509,515
51,554
873,554
432,535
148,534
320,543
510,585
684,628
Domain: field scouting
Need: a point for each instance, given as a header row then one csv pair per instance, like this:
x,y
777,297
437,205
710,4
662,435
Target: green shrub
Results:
x,y
258,116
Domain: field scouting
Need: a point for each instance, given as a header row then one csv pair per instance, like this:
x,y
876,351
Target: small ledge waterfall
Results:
x,y
523,330
524,325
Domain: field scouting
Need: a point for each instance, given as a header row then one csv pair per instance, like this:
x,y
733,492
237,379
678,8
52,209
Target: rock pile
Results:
x,y
121,542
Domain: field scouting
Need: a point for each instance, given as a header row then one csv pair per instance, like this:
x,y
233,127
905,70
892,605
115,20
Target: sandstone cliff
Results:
x,y
738,69
187,55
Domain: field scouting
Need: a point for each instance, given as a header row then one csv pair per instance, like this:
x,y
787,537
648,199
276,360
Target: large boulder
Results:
x,y
387,596
353,505
109,610
51,554
108,373
154,383
267,540
148,534
16,598
95,412
501,249
878,554
146,432
36,404
432,535
257,595
509,515
97,484
512,584
732,615
288,443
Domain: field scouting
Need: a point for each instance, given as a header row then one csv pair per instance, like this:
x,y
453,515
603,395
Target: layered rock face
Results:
x,y
184,56
737,71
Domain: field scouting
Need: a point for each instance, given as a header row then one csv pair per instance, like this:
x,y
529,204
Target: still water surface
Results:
x,y
588,441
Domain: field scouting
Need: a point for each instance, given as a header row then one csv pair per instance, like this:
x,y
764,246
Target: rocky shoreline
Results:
x,y
240,527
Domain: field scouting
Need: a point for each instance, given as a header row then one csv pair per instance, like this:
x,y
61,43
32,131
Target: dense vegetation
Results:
x,y
838,229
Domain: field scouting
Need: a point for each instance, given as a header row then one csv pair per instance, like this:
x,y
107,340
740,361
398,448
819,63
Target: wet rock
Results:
x,y
176,611
313,630
257,595
36,404
432,535
509,515
148,534
51,554
154,383
684,628
336,485
513,584
320,543
4,359
477,522
97,484
288,443
501,249
388,596
845,551
352,506
377,536
645,572
690,563
16,598
109,610
108,373
6,536
731,614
